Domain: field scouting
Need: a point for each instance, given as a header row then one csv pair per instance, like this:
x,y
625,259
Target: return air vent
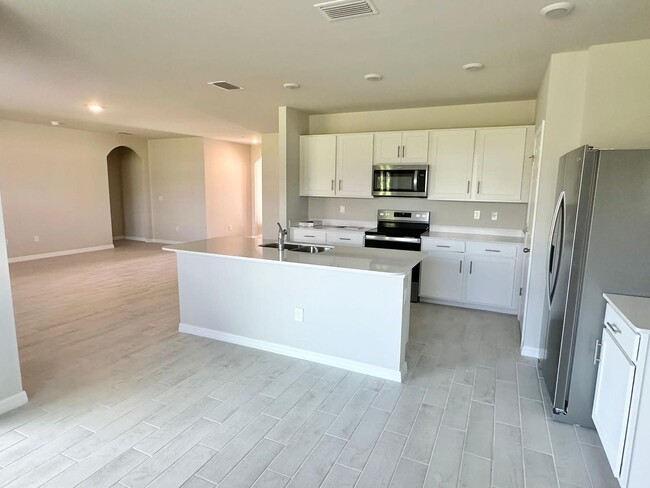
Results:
x,y
224,85
346,9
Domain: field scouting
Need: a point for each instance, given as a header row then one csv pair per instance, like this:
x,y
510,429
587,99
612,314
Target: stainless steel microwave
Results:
x,y
400,180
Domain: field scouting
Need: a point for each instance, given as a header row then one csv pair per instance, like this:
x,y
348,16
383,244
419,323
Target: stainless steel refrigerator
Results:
x,y
599,242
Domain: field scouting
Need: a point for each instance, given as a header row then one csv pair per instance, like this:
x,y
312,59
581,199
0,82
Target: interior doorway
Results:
x,y
127,196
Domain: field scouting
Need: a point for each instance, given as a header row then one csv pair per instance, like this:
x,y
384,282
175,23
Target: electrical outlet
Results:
x,y
298,314
230,227
342,209
495,215
477,214
36,238
178,228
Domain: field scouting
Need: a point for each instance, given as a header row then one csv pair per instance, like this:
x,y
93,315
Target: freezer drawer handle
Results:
x,y
597,351
614,328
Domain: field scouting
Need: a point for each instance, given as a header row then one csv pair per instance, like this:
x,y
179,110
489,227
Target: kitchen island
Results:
x,y
346,307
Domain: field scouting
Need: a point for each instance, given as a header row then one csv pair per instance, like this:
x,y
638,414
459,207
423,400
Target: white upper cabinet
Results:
x,y
336,165
410,147
317,165
452,161
354,165
499,164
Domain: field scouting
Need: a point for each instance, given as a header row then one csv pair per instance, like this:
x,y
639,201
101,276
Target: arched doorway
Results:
x,y
126,190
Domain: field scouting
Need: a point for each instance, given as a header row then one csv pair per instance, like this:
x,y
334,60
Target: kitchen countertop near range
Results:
x,y
349,258
474,237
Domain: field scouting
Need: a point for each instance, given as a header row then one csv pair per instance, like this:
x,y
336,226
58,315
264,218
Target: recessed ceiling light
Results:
x,y
557,10
55,123
225,85
95,108
473,66
291,86
373,77
122,133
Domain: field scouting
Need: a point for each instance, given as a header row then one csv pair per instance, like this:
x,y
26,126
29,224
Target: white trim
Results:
x,y
13,401
118,238
477,230
294,352
135,238
32,257
474,306
531,352
165,241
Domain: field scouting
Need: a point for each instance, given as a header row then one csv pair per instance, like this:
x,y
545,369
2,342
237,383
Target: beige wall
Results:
x,y
561,104
10,380
227,188
55,185
136,196
177,189
474,115
256,189
293,123
511,215
617,96
270,185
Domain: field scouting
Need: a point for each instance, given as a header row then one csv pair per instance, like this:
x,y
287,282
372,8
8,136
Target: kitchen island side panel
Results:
x,y
348,316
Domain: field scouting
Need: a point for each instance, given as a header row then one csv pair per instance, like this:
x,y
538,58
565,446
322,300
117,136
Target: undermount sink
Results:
x,y
299,247
312,249
288,247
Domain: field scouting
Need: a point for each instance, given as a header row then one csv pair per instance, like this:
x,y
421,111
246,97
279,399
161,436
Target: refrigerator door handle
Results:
x,y
552,255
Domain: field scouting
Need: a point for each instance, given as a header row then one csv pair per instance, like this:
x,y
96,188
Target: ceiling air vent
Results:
x,y
224,85
346,9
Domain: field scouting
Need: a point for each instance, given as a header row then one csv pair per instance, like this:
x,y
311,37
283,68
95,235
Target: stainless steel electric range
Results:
x,y
400,229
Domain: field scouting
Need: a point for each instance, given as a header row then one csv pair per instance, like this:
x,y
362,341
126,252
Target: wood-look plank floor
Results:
x,y
120,399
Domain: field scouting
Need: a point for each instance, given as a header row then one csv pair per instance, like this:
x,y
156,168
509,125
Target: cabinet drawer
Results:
x,y
448,245
345,238
309,235
492,249
622,333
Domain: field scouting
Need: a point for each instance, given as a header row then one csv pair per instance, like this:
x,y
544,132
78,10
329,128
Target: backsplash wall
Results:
x,y
461,214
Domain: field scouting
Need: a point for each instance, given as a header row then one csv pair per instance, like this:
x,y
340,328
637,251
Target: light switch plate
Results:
x,y
477,214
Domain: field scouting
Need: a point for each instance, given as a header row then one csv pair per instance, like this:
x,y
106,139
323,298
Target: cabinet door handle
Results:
x,y
332,185
614,328
478,188
468,185
440,245
306,235
340,184
470,266
460,270
398,152
493,250
344,239
403,151
597,351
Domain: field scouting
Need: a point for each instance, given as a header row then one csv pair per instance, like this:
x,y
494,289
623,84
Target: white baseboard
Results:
x,y
32,257
531,352
135,238
316,357
164,241
12,402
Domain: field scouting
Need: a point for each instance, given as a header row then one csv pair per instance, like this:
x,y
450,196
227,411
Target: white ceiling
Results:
x,y
149,61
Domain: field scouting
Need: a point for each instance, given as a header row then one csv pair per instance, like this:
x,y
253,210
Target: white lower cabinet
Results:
x,y
441,276
613,399
323,236
490,281
621,411
477,274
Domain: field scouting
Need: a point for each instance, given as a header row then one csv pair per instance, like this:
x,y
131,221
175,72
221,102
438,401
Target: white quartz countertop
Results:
x,y
336,228
635,310
474,237
343,257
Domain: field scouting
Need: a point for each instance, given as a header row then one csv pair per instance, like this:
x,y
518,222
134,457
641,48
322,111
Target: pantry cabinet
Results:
x,y
336,165
410,147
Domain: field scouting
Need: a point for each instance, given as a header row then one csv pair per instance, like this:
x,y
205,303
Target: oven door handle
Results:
x,y
413,240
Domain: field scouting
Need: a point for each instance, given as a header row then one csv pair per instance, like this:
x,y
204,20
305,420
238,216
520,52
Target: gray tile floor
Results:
x,y
128,402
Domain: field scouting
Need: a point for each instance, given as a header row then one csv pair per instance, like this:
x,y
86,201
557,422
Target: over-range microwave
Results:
x,y
400,180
